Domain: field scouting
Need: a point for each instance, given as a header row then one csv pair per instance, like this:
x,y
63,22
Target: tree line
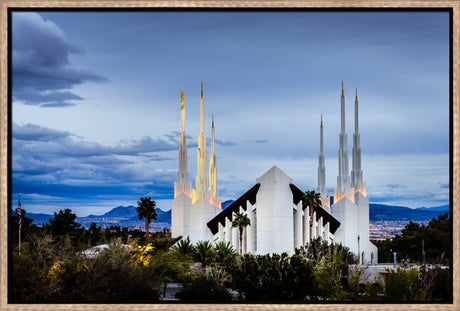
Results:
x,y
138,266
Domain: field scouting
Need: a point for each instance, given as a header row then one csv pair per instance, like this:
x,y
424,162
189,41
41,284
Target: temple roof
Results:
x,y
249,195
320,211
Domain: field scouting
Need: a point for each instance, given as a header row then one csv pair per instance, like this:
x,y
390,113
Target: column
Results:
x,y
298,238
250,231
315,227
228,231
221,231
306,225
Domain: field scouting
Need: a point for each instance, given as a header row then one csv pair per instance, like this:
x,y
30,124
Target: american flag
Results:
x,y
19,213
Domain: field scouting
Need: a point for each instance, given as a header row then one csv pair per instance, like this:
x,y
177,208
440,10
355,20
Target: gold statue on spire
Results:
x,y
182,98
356,99
321,120
342,88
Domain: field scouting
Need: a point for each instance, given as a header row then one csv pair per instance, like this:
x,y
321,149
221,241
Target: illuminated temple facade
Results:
x,y
279,222
191,209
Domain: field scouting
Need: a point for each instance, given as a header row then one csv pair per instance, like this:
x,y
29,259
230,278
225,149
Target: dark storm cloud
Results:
x,y
37,133
41,141
42,72
52,162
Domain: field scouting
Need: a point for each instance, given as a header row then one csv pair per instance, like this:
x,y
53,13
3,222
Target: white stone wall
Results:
x,y
180,210
354,222
275,213
346,212
365,246
200,213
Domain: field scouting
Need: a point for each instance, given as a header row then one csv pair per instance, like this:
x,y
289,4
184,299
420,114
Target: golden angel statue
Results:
x,y
182,96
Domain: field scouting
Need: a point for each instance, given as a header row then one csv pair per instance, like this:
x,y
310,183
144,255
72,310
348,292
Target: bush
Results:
x,y
207,286
273,277
401,285
112,276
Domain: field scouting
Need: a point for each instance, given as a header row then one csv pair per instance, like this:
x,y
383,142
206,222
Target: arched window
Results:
x,y
372,258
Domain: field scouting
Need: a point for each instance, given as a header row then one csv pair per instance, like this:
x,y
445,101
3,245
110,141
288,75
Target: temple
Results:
x,y
280,221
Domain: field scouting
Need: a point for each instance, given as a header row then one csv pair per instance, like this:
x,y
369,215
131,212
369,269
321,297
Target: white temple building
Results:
x,y
192,208
274,204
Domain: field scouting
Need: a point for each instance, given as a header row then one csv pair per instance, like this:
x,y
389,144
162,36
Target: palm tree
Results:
x,y
241,221
204,253
313,199
224,252
146,210
184,247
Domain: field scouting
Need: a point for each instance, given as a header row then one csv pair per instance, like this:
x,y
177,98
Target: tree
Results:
x,y
401,285
435,238
241,221
184,248
95,233
63,222
330,271
225,253
146,210
204,253
313,199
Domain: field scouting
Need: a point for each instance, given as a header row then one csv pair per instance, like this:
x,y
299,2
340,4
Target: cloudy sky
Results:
x,y
96,114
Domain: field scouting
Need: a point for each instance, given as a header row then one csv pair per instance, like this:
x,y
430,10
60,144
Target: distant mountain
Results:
x,y
163,216
39,218
377,212
442,208
226,203
122,211
381,212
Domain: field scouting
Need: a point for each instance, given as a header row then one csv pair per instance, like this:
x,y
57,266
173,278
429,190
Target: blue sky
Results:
x,y
96,114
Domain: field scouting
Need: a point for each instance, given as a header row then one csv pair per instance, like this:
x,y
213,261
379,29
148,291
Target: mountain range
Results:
x,y
377,212
381,212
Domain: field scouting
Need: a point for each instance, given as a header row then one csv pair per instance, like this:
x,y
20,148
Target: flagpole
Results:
x,y
19,241
19,214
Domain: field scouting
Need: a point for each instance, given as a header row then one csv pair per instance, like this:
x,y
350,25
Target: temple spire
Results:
x,y
356,173
201,110
182,185
322,170
321,136
201,180
213,171
343,178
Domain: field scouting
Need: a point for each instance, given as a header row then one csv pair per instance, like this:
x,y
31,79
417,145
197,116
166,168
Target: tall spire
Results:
x,y
343,179
356,173
201,110
212,135
356,111
182,185
201,182
321,137
322,170
213,171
